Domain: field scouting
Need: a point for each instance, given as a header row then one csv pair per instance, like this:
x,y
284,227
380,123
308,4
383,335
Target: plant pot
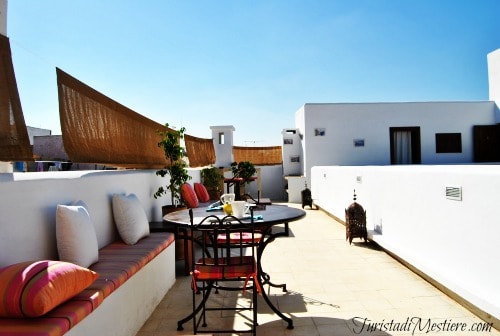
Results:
x,y
179,244
166,209
214,195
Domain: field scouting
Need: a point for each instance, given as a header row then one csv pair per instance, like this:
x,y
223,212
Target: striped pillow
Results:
x,y
31,289
189,196
201,192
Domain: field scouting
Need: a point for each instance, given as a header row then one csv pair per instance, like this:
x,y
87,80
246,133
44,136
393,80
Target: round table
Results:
x,y
269,216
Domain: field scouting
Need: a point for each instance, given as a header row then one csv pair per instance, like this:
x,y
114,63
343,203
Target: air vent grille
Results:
x,y
454,193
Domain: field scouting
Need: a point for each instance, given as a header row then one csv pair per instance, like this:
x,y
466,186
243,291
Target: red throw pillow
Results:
x,y
201,192
189,196
33,288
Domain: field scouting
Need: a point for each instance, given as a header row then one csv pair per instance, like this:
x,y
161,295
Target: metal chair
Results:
x,y
225,261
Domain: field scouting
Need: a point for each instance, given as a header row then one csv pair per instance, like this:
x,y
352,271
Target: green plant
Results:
x,y
212,178
244,170
176,167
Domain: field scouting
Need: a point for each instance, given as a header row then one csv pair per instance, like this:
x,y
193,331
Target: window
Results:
x,y
359,142
448,143
319,132
221,138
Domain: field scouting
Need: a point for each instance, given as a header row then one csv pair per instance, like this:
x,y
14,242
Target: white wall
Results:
x,y
28,206
454,242
371,121
270,182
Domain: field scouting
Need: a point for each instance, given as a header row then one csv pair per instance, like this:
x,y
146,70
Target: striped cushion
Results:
x,y
227,268
189,196
239,237
201,192
41,326
31,289
74,311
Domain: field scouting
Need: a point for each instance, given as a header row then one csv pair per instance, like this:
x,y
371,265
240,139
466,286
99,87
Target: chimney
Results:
x,y
223,145
494,75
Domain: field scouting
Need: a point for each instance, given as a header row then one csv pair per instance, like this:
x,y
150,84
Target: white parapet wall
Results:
x,y
28,204
451,237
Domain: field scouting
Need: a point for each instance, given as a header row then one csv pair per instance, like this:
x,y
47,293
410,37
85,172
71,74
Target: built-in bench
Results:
x,y
131,278
118,264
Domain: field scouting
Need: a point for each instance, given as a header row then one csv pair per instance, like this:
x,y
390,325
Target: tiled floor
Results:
x,y
333,288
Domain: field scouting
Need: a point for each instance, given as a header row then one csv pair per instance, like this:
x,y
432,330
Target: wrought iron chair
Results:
x,y
225,261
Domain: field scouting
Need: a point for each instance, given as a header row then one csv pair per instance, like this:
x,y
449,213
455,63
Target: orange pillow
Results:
x,y
201,192
189,196
33,288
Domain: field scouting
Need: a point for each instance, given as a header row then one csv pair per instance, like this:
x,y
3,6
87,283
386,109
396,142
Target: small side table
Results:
x,y
237,182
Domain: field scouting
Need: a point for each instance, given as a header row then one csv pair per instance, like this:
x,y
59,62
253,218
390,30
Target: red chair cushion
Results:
x,y
201,192
240,237
225,268
189,196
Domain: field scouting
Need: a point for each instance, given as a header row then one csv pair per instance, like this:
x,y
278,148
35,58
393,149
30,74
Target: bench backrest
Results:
x,y
28,204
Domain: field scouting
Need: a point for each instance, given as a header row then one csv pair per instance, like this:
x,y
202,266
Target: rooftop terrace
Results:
x,y
333,289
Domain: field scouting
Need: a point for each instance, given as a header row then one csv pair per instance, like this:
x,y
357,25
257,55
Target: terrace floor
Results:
x,y
333,289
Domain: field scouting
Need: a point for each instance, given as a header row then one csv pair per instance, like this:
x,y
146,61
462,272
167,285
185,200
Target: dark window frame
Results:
x,y
448,143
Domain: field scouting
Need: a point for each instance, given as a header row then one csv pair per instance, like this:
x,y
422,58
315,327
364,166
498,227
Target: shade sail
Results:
x,y
97,129
261,156
200,151
14,141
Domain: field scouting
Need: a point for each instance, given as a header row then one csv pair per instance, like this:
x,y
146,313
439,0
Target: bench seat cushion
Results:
x,y
117,263
72,311
40,326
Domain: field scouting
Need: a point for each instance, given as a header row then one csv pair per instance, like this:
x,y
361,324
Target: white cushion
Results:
x,y
130,218
75,235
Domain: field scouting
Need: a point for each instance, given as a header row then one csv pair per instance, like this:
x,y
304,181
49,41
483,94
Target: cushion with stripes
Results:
x,y
33,288
189,196
201,192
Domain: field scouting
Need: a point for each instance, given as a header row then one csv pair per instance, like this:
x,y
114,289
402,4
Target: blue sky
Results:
x,y
250,64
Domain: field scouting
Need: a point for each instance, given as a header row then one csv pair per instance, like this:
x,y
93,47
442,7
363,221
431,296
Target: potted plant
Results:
x,y
244,170
212,180
176,168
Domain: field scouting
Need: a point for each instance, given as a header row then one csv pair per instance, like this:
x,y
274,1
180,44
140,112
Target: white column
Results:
x,y
222,137
494,75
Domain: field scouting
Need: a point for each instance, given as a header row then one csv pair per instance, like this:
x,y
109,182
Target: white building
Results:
x,y
358,134
440,218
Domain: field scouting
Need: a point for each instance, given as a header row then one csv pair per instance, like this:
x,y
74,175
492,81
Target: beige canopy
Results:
x,y
14,141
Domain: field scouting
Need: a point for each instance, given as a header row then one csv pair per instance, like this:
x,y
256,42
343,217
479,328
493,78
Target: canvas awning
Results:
x,y
200,151
97,129
260,156
14,141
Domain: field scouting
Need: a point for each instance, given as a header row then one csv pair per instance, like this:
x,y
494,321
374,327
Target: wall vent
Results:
x,y
454,193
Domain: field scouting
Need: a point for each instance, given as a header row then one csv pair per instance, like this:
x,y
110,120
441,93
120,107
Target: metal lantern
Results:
x,y
355,219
